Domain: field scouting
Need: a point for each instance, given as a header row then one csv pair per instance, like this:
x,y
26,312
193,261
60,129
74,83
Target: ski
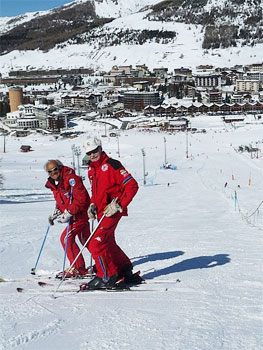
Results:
x,y
49,288
70,292
52,279
43,278
164,281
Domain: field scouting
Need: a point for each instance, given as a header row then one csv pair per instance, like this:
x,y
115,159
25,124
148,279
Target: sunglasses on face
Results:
x,y
53,169
93,151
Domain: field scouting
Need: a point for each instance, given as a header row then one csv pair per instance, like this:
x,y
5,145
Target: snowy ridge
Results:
x,y
120,8
104,8
8,23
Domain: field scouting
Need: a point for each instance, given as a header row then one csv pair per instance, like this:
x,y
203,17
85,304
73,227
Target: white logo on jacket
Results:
x,y
104,167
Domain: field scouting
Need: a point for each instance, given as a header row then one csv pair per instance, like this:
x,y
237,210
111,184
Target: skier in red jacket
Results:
x,y
72,202
112,188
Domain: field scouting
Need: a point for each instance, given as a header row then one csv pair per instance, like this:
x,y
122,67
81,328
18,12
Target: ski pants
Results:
x,y
109,257
78,229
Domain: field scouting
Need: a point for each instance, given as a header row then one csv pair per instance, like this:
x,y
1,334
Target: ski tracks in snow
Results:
x,y
15,317
15,196
33,335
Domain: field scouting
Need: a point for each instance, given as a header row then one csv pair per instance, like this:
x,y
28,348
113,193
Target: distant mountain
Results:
x,y
45,31
101,30
225,22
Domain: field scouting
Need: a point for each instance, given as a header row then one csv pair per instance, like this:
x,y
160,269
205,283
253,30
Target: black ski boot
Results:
x,y
113,283
129,276
95,283
116,282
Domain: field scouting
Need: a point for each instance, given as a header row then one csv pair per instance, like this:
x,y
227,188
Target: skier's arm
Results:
x,y
130,189
80,197
128,184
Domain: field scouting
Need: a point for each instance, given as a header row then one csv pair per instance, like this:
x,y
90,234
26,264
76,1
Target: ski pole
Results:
x,y
66,247
91,262
87,241
33,270
72,183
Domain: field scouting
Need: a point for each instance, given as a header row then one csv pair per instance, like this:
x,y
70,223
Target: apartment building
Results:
x,y
209,80
139,100
247,85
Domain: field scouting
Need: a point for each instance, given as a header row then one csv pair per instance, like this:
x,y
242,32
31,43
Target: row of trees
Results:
x,y
103,38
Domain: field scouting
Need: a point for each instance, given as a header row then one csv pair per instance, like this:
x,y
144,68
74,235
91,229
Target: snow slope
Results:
x,y
187,230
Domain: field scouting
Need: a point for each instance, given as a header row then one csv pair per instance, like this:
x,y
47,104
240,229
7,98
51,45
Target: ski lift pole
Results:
x,y
73,156
80,252
33,270
77,154
143,160
235,200
165,157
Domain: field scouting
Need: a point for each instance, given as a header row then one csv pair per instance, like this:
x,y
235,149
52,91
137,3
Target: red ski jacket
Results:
x,y
109,179
70,194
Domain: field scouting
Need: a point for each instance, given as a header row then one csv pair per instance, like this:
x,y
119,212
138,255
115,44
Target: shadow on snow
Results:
x,y
200,262
154,257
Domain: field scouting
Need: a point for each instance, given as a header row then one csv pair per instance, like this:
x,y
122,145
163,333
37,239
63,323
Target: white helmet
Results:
x,y
91,144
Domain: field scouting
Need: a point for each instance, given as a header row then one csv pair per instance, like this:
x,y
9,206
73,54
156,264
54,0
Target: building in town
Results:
x,y
139,100
247,85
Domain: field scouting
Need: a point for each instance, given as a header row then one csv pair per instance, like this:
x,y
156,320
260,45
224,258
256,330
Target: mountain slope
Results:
x,y
167,33
225,22
44,32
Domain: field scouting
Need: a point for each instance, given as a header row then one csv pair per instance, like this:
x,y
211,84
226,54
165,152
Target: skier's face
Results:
x,y
53,170
95,154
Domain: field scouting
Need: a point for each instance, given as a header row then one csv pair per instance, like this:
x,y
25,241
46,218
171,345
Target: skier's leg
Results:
x,y
72,247
84,233
118,256
108,256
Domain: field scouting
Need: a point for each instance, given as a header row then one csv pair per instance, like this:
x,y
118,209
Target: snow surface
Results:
x,y
190,230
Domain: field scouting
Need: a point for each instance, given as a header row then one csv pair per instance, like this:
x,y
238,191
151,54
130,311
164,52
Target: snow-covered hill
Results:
x,y
103,9
183,225
143,32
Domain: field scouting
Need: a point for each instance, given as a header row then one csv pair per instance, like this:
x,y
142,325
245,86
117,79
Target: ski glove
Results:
x,y
92,211
54,216
65,217
112,208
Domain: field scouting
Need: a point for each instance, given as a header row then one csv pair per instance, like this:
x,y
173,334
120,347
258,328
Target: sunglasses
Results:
x,y
93,151
53,169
